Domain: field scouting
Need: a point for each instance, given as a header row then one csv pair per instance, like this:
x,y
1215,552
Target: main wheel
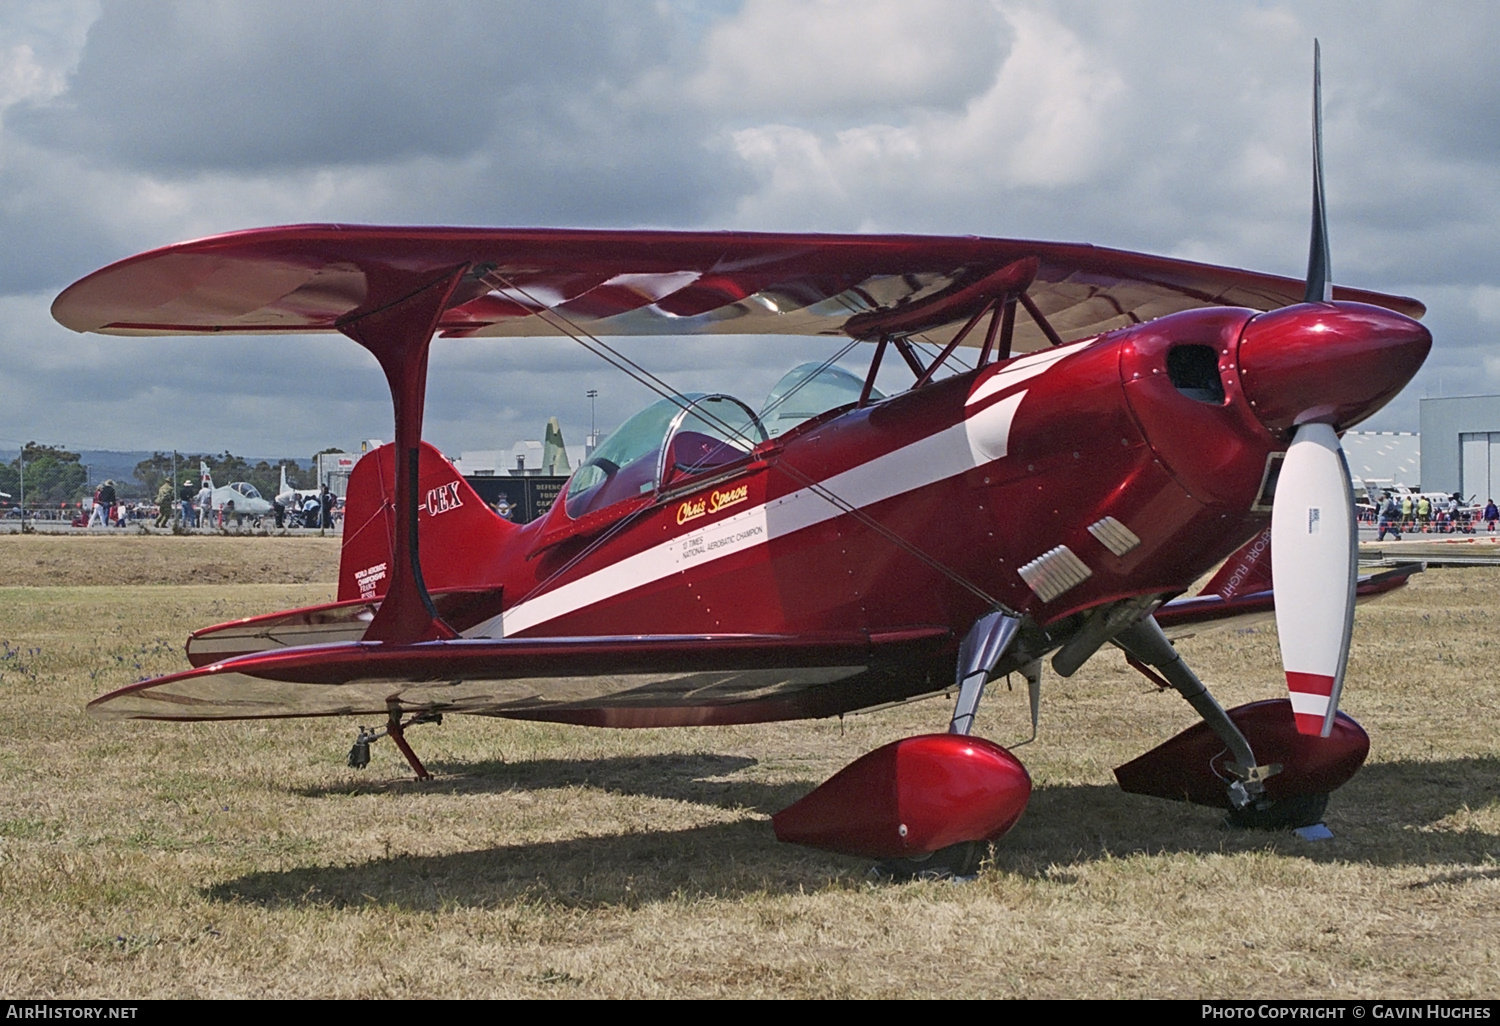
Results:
x,y
955,861
1283,814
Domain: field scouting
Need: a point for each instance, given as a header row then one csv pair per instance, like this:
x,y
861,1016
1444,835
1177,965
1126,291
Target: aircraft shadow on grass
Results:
x,y
723,859
696,778
1382,818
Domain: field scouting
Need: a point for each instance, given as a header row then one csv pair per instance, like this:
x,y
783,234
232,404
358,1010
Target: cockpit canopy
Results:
x,y
246,489
667,441
675,439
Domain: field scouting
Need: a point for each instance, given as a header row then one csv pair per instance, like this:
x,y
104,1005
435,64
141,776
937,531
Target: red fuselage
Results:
x,y
1124,465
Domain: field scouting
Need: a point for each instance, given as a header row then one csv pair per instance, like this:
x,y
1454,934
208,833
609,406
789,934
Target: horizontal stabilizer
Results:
x,y
1184,617
326,624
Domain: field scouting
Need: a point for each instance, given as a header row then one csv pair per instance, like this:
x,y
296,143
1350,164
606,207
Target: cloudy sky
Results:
x,y
1173,128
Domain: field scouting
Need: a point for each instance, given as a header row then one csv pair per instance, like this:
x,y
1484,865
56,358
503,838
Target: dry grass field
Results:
x,y
245,859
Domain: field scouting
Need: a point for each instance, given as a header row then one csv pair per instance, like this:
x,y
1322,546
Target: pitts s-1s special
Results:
x,y
1123,424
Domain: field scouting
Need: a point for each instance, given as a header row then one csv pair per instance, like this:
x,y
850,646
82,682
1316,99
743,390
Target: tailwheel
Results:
x,y
1289,813
955,862
395,729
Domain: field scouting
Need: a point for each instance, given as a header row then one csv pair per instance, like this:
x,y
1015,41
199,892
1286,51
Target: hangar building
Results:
x,y
1383,459
1461,446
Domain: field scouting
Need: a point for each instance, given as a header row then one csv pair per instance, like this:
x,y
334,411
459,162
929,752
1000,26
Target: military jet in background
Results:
x,y
241,499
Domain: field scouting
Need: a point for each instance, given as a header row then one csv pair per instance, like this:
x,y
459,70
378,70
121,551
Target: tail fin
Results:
x,y
462,540
555,451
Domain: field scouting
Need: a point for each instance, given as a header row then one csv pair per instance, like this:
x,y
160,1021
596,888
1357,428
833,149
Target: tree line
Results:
x,y
53,475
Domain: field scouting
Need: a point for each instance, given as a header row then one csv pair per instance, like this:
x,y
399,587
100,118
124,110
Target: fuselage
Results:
x,y
1124,465
838,565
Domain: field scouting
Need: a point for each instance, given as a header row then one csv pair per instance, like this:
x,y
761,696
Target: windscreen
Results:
x,y
806,391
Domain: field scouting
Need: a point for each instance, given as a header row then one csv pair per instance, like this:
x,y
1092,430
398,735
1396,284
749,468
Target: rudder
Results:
x,y
461,538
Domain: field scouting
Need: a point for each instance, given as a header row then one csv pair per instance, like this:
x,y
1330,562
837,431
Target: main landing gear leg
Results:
x,y
1145,643
359,755
981,651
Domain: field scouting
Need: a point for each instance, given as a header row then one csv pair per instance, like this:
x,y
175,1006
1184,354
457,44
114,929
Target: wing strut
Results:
x,y
903,346
1040,319
1007,331
958,339
864,393
399,333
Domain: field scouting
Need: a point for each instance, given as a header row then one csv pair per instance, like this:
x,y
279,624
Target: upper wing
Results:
x,y
526,282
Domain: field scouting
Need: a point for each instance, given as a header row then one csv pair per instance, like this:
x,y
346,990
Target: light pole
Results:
x,y
593,394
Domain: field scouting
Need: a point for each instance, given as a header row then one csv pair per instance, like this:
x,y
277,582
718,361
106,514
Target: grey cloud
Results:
x,y
1433,84
182,120
804,63
183,87
188,119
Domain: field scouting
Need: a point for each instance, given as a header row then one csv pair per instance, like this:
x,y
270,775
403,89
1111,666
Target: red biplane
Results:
x,y
1122,426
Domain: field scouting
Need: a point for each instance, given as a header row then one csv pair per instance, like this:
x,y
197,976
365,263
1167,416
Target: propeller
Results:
x,y
1319,275
1314,539
1314,562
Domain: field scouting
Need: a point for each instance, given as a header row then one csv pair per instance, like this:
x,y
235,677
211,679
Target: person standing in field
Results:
x,y
1388,521
185,496
104,505
164,498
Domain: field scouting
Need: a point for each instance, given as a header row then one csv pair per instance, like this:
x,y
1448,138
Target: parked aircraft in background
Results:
x,y
286,495
555,451
244,495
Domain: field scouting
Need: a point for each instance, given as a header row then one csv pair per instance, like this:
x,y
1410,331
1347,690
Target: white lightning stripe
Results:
x,y
1309,705
968,444
1024,369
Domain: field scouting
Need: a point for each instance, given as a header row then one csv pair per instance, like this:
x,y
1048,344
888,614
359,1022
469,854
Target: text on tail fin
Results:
x,y
461,540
